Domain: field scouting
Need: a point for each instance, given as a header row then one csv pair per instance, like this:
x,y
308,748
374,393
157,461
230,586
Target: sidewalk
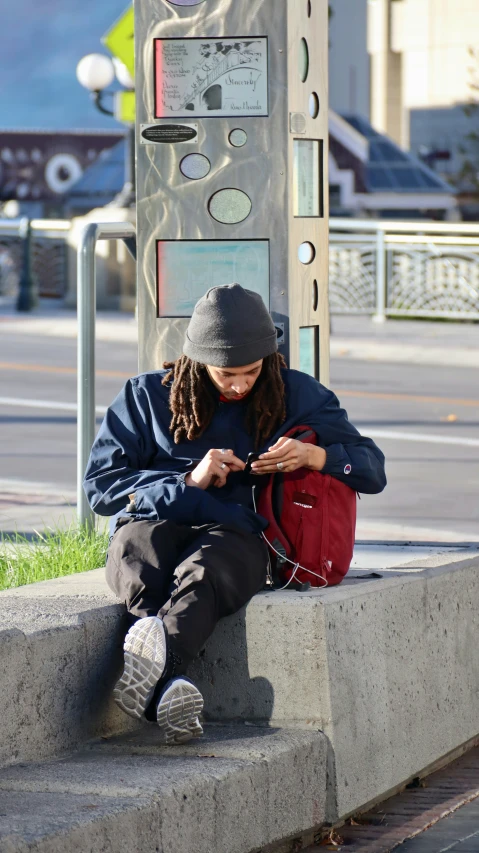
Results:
x,y
405,341
435,815
353,337
52,320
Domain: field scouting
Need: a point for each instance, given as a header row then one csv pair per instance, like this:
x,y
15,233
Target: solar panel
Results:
x,y
387,151
391,169
406,179
378,178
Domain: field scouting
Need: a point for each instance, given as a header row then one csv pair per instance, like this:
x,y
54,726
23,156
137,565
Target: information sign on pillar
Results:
x,y
232,142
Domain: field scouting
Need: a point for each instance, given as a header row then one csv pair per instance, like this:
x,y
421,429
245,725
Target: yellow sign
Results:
x,y
125,107
120,40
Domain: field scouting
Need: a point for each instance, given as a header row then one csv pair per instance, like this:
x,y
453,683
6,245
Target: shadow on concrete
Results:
x,y
222,674
431,544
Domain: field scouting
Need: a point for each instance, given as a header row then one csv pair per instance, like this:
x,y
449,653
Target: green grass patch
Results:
x,y
53,554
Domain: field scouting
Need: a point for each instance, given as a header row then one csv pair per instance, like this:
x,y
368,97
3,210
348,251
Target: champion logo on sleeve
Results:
x,y
347,469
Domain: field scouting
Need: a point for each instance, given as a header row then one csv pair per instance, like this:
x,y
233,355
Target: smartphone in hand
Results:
x,y
252,457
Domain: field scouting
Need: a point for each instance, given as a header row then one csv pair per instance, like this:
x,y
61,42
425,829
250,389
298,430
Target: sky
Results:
x,y
41,42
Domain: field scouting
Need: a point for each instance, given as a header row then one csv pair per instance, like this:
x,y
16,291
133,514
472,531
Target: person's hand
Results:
x,y
288,454
213,469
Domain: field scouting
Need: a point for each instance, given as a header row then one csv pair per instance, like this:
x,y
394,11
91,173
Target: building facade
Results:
x,y
424,57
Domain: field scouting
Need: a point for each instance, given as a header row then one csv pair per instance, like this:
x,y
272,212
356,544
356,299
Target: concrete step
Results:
x,y
383,665
237,790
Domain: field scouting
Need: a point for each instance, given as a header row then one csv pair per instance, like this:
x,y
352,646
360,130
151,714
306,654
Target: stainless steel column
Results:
x,y
172,208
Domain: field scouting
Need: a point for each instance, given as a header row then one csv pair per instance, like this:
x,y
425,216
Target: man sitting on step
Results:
x,y
168,463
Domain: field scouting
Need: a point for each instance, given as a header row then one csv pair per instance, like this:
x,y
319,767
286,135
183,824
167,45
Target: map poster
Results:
x,y
204,78
188,268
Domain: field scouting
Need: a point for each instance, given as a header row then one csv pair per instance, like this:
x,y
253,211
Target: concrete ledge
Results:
x,y
386,667
60,654
237,791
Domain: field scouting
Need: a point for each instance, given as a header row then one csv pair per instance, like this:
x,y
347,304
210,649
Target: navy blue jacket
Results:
x,y
134,452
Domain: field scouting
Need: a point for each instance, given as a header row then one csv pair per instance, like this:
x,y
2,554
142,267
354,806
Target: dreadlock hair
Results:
x,y
193,399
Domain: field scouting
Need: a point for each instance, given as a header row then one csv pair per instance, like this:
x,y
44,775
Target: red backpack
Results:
x,y
311,522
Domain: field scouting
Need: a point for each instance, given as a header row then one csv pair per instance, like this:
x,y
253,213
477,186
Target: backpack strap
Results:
x,y
267,503
266,508
307,434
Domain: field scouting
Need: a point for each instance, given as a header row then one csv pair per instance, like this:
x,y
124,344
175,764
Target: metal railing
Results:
x,y
404,269
378,267
382,268
86,308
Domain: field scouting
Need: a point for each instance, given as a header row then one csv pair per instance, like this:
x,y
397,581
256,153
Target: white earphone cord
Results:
x,y
283,557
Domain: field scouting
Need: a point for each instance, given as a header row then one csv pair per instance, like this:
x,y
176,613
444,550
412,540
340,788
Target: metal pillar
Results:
x,y
86,310
380,315
238,93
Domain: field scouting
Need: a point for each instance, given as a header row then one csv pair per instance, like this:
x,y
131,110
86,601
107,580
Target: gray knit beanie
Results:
x,y
230,327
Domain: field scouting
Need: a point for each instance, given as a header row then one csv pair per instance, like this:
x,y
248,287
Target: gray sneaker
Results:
x,y
178,709
145,658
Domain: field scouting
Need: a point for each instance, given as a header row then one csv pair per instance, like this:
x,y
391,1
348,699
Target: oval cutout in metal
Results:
x,y
238,137
313,105
315,295
308,8
306,252
303,59
195,166
229,206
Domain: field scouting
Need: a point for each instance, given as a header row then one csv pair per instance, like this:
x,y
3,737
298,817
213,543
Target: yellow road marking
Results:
x,y
417,398
46,368
371,395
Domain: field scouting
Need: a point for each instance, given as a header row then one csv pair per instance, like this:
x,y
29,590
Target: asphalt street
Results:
x,y
425,418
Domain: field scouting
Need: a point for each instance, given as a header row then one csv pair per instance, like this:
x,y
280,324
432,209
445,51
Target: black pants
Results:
x,y
190,576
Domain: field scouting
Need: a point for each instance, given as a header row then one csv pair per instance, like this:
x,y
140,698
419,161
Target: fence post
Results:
x,y
380,315
27,295
86,308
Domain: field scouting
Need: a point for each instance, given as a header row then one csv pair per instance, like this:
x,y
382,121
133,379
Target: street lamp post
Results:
x,y
96,72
